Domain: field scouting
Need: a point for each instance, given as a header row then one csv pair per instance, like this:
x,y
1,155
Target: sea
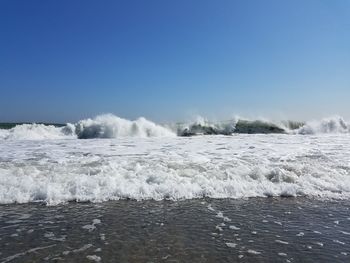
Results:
x,y
108,189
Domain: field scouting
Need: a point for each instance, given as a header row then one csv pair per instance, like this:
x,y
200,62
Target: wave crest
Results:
x,y
110,126
204,127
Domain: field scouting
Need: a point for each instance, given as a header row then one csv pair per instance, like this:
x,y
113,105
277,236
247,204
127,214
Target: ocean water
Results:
x,y
108,189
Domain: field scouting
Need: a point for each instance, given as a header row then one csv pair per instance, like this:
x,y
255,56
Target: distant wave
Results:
x,y
329,125
37,132
335,124
111,126
102,126
202,126
232,126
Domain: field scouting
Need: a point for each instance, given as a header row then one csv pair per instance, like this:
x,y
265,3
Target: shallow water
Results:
x,y
197,230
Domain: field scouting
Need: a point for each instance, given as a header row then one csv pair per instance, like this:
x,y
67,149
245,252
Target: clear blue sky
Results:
x,y
165,60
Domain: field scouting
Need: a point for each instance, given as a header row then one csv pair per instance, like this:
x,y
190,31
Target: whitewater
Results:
x,y
110,158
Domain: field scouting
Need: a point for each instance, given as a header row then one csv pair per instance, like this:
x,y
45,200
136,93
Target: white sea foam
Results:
x,y
254,252
56,171
93,258
231,245
92,227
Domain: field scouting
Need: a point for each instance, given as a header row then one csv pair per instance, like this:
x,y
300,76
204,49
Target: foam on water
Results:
x,y
143,160
239,166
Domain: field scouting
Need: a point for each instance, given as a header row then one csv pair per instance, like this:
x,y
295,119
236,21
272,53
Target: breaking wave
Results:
x,y
202,126
111,126
205,127
37,132
102,126
332,125
329,125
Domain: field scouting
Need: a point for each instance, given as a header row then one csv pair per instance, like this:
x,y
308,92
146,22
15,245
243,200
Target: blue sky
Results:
x,y
169,60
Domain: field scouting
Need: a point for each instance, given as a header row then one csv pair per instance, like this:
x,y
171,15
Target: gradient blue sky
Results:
x,y
168,60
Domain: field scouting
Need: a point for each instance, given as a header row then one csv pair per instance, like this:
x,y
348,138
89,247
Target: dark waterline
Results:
x,y
201,230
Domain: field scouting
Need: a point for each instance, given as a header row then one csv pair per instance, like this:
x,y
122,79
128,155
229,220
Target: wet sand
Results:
x,y
197,230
